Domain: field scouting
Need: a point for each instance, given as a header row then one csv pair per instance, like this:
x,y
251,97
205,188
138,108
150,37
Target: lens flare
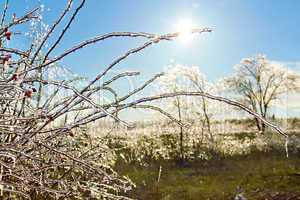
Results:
x,y
184,28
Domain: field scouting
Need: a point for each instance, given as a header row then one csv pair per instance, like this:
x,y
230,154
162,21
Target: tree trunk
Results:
x,y
181,144
258,124
207,120
180,131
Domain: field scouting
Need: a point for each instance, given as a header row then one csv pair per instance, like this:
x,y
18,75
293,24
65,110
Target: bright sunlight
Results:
x,y
184,27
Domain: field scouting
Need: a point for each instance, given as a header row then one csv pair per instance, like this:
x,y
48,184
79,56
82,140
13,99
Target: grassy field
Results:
x,y
259,175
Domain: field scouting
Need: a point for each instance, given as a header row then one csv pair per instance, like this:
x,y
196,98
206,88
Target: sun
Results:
x,y
184,28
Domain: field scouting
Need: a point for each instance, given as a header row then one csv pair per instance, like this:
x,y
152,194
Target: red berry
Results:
x,y
15,77
8,35
28,93
6,58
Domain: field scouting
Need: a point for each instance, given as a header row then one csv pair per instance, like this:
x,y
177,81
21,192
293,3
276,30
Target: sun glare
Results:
x,y
184,28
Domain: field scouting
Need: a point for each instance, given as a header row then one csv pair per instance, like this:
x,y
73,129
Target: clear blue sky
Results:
x,y
241,29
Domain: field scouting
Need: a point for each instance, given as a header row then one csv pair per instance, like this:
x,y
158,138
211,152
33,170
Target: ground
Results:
x,y
258,176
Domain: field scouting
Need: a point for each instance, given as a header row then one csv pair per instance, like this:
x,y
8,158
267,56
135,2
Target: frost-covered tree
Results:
x,y
259,82
40,157
178,78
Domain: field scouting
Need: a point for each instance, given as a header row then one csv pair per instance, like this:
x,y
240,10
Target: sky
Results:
x,y
240,29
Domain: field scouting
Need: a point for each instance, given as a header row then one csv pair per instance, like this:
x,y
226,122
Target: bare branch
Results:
x,y
207,95
65,29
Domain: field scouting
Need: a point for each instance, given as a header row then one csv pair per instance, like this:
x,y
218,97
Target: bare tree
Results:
x,y
188,110
259,82
176,107
199,83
